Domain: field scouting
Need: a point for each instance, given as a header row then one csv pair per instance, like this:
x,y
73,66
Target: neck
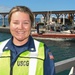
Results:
x,y
20,42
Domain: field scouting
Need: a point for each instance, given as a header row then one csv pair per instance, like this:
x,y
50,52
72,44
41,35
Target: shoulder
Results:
x,y
3,43
36,42
48,52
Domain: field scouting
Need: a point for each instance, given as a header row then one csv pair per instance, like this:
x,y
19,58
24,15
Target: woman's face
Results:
x,y
20,27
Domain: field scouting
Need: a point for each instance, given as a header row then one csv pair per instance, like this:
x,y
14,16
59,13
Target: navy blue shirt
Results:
x,y
49,68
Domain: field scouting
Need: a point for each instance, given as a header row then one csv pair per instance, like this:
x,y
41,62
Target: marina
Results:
x,y
58,41
54,25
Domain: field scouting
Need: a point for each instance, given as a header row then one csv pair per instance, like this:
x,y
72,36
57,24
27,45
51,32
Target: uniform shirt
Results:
x,y
49,68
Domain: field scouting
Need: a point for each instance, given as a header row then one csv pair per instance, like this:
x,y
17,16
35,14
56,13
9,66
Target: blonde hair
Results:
x,y
21,9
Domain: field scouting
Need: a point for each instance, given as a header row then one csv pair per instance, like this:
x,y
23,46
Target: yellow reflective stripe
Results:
x,y
41,51
6,53
5,63
0,42
39,68
21,66
40,62
25,54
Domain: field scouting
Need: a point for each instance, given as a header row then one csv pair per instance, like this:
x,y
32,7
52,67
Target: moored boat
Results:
x,y
65,35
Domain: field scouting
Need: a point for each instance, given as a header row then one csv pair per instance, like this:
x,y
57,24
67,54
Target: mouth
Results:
x,y
21,32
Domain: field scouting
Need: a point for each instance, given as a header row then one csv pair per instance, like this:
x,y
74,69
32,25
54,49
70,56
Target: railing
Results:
x,y
65,65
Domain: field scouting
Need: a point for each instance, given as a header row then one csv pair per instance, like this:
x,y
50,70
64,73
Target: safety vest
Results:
x,y
27,63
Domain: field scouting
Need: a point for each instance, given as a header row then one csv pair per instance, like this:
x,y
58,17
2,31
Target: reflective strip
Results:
x,y
5,63
40,62
33,63
2,44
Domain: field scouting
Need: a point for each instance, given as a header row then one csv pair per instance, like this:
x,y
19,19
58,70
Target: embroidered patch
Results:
x,y
50,55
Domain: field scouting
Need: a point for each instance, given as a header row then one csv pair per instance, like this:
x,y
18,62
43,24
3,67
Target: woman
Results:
x,y
21,54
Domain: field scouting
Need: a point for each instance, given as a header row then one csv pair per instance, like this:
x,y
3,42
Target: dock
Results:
x,y
4,29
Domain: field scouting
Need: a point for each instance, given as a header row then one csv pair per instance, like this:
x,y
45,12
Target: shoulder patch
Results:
x,y
50,55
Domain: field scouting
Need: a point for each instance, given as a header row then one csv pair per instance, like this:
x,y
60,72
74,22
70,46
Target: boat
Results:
x,y
47,34
52,35
53,32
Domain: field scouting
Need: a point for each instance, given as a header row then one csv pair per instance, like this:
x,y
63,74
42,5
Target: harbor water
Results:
x,y
60,49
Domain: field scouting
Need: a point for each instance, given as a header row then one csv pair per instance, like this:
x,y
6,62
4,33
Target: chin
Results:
x,y
21,39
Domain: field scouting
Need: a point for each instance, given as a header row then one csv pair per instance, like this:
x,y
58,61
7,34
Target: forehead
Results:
x,y
20,15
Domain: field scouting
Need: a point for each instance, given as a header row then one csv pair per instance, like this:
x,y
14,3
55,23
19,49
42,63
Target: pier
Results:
x,y
65,65
4,29
47,15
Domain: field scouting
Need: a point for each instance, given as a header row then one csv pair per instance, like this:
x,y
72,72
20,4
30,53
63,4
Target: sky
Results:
x,y
38,5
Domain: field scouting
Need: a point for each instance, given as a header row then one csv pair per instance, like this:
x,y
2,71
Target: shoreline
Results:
x,y
4,29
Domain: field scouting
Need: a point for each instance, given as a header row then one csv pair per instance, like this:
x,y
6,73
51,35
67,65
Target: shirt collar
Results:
x,y
30,45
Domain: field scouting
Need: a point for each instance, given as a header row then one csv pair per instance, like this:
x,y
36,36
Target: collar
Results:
x,y
28,46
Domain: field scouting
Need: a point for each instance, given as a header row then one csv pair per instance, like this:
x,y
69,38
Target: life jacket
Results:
x,y
27,63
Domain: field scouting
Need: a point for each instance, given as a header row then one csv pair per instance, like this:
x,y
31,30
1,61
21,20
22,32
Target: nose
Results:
x,y
20,26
